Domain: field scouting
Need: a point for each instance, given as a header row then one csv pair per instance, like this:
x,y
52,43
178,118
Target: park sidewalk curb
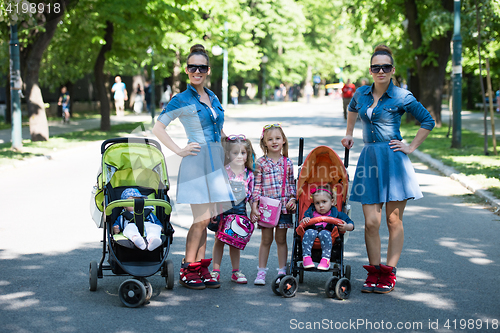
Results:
x,y
465,181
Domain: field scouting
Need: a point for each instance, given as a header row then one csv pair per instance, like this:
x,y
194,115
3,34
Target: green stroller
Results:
x,y
132,163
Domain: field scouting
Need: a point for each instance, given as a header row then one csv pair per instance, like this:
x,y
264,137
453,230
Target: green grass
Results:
x,y
469,160
89,114
63,141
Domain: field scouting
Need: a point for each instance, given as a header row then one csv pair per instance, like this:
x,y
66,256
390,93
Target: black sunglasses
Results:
x,y
201,68
386,68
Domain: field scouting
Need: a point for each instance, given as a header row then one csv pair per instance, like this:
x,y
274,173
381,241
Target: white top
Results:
x,y
369,113
213,112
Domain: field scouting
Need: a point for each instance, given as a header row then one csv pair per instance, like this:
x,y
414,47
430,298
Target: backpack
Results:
x,y
235,230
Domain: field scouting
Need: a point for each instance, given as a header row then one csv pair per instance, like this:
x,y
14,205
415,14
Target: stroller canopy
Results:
x,y
322,166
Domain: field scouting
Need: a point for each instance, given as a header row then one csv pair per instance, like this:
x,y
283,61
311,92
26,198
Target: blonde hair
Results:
x,y
284,150
228,146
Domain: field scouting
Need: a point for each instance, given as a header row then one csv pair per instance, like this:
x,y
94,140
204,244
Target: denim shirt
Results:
x,y
198,120
386,117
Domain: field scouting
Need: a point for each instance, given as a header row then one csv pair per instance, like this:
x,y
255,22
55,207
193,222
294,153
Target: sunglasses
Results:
x,y
234,137
201,68
268,126
385,68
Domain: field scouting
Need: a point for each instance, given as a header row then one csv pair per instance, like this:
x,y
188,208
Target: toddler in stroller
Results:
x,y
323,205
325,177
125,223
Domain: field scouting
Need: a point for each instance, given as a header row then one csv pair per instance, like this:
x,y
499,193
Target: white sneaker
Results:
x,y
261,278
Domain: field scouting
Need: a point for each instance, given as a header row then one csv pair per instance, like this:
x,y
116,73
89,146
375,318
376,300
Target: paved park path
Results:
x,y
446,276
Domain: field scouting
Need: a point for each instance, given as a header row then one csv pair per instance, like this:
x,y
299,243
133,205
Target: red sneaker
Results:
x,y
208,280
372,279
387,280
189,276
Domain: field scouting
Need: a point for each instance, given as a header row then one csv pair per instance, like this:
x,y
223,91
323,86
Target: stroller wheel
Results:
x,y
288,286
330,286
301,273
93,276
347,272
132,293
168,272
343,288
275,286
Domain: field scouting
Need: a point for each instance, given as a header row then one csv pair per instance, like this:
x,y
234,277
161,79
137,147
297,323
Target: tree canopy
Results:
x,y
301,38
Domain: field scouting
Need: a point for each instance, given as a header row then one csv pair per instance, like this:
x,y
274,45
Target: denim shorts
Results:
x,y
285,221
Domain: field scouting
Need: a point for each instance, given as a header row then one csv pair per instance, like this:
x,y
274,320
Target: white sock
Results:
x,y
139,242
282,270
153,243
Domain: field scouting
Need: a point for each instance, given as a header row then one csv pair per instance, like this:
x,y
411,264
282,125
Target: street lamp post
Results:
x,y
225,72
264,60
15,89
217,51
152,86
456,140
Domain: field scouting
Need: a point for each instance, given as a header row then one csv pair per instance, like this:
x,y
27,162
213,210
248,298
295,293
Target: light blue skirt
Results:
x,y
202,178
383,175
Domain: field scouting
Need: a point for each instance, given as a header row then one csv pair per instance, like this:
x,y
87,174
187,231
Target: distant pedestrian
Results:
x,y
283,92
347,92
384,173
139,99
308,91
147,95
234,94
165,97
120,95
64,99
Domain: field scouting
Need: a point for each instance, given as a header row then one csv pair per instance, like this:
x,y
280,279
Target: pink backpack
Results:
x,y
235,230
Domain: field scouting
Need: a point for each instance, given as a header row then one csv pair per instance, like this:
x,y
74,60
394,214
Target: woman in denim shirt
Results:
x,y
384,173
202,180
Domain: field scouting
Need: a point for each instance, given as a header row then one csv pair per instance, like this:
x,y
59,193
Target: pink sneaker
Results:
x,y
307,262
324,264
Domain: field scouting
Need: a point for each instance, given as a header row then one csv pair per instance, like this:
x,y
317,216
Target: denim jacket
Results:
x,y
333,213
198,120
386,117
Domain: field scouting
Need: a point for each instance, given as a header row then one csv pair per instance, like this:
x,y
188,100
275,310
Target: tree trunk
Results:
x,y
8,111
431,76
32,56
176,78
100,79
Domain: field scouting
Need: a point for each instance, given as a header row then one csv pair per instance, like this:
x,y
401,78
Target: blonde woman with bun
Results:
x,y
202,180
384,174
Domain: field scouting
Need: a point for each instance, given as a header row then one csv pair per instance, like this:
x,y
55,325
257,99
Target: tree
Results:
x,y
39,28
425,44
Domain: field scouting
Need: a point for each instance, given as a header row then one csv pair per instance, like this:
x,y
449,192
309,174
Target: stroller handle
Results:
x,y
301,151
346,158
130,203
109,142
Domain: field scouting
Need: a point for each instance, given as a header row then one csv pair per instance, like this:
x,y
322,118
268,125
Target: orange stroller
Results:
x,y
322,166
